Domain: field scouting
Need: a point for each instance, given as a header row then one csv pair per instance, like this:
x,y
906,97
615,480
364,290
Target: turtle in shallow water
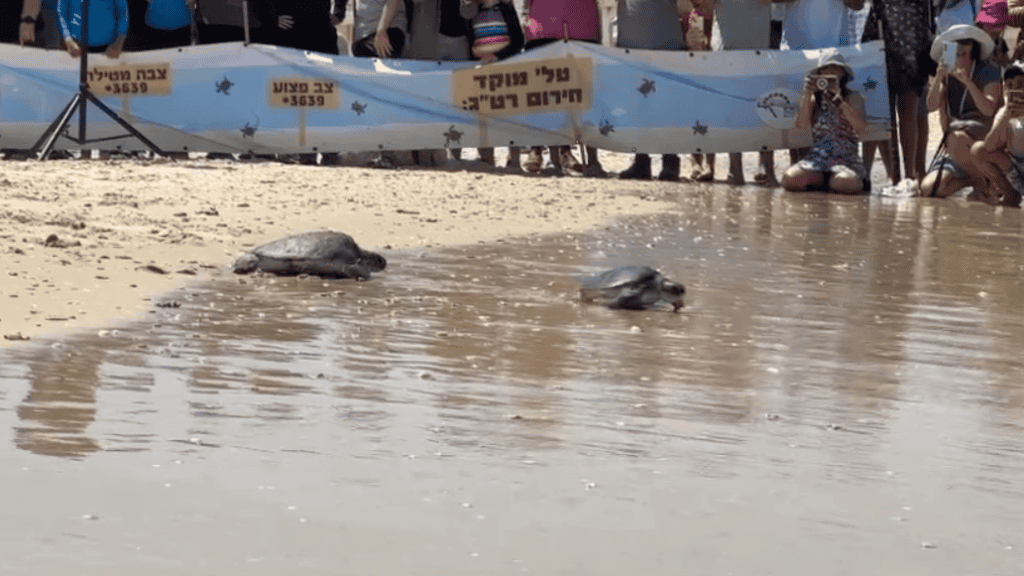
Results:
x,y
323,253
631,288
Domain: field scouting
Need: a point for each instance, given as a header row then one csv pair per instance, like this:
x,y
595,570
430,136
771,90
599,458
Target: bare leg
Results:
x,y
959,146
593,168
736,169
906,103
534,160
707,173
922,144
994,166
947,187
766,174
846,182
796,179
486,155
513,158
869,157
697,165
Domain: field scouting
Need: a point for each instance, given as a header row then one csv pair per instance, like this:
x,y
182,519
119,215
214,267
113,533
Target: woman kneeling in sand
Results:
x,y
835,115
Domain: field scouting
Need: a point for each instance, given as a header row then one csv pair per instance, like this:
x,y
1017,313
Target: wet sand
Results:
x,y
124,231
841,395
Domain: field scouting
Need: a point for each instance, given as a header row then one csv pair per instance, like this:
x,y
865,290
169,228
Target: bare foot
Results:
x,y
766,179
705,175
735,179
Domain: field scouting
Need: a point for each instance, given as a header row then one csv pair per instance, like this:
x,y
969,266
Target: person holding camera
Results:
x,y
1000,156
835,115
966,92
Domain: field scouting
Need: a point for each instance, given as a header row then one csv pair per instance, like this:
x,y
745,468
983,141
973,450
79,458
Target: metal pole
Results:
x,y
245,20
83,69
79,102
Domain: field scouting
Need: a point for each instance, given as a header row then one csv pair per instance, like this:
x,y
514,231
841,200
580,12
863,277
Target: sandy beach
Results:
x,y
843,382
91,243
129,230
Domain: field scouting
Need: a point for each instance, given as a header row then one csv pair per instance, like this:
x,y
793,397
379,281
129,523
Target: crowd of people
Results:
x,y
945,56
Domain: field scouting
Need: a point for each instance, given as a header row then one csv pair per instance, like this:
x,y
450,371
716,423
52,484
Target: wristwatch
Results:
x,y
28,20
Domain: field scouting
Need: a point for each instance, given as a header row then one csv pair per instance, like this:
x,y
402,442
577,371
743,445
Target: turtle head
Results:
x,y
246,263
672,292
373,262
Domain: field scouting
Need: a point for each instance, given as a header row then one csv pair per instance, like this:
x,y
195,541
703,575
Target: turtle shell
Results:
x,y
323,253
632,288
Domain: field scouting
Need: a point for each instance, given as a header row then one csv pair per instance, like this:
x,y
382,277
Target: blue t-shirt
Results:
x,y
168,14
108,19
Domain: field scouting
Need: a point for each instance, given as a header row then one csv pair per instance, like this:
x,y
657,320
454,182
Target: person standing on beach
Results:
x,y
745,25
36,24
160,24
380,28
652,25
11,21
440,31
108,26
812,24
303,25
906,28
496,35
223,21
549,21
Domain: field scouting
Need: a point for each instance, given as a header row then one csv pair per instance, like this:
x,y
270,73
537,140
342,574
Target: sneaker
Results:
x,y
595,171
640,169
669,168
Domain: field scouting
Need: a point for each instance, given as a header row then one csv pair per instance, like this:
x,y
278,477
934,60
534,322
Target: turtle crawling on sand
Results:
x,y
323,253
631,288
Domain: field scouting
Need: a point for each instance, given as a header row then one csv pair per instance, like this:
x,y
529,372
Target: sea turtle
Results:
x,y
632,288
321,253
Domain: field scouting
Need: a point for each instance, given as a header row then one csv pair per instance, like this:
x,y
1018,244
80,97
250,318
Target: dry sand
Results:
x,y
122,232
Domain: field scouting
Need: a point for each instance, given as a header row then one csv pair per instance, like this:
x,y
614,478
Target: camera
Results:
x,y
823,83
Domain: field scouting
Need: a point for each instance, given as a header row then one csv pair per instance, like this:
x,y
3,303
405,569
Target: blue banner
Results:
x,y
264,99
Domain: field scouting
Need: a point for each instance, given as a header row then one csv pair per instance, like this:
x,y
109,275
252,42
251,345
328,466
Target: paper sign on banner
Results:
x,y
297,92
553,85
150,79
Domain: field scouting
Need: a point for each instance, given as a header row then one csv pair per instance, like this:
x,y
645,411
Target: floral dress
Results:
x,y
907,29
836,143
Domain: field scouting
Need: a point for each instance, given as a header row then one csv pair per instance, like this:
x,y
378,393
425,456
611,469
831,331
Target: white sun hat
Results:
x,y
963,32
832,56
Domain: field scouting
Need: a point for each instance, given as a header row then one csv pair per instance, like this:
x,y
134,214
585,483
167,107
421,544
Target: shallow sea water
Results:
x,y
842,394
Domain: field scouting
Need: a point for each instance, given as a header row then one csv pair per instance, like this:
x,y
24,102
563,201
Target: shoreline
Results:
x,y
92,243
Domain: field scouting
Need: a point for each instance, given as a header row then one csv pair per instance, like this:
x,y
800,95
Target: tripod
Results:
x,y
44,145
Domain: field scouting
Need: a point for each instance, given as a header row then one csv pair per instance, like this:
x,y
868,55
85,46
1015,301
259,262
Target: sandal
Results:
x,y
570,165
533,161
703,175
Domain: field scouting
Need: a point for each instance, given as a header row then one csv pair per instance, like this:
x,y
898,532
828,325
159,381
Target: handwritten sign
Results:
x,y
303,93
557,84
130,80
